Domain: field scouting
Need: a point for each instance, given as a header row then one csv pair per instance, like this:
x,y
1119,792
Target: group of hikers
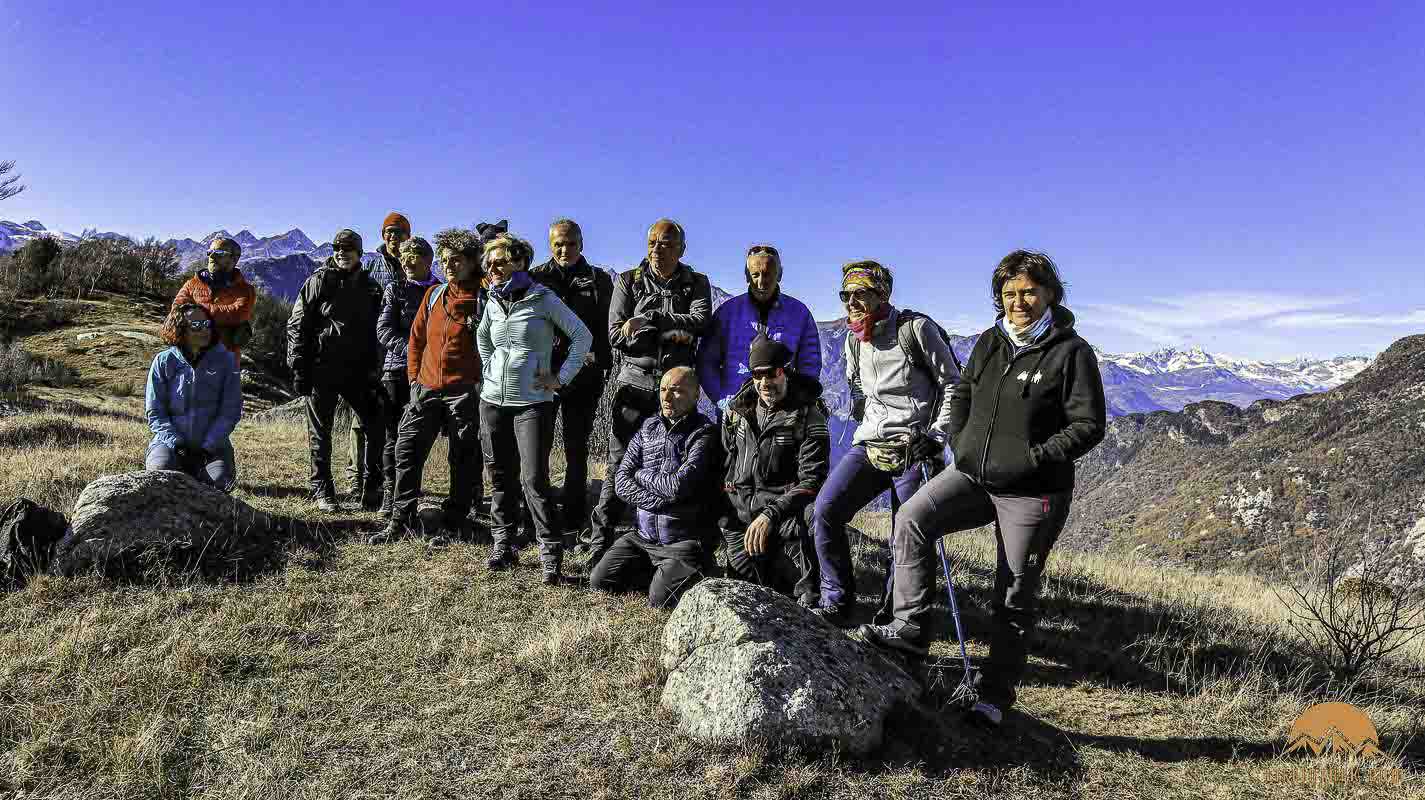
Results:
x,y
489,356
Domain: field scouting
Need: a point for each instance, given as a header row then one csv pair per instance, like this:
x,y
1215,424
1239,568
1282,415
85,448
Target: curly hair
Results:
x,y
518,248
1038,266
172,333
459,240
416,247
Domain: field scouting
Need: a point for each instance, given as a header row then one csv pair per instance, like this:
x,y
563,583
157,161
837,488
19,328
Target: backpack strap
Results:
x,y
434,296
911,345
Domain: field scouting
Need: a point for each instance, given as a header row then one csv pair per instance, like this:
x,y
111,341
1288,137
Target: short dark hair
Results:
x,y
173,327
1038,266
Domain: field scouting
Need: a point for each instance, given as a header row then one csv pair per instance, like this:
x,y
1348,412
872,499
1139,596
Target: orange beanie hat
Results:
x,y
397,220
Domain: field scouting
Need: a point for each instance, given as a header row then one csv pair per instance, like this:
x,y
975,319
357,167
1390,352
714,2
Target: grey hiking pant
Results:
x,y
517,441
1026,527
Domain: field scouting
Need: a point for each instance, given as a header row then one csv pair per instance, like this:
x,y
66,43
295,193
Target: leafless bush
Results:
x,y
19,369
1347,613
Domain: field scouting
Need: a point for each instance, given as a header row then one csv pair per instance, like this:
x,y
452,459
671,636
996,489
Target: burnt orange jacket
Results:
x,y
441,352
229,307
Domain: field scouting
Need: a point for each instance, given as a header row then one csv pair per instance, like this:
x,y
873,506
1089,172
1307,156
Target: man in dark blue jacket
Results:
x,y
763,311
402,299
666,474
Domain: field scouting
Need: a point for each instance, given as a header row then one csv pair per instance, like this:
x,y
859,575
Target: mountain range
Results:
x,y
1163,380
1216,483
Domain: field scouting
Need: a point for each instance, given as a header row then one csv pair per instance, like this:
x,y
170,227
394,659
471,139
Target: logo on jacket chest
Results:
x,y
1025,376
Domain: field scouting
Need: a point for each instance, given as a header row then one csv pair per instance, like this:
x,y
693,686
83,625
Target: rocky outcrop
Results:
x,y
139,524
747,664
1215,485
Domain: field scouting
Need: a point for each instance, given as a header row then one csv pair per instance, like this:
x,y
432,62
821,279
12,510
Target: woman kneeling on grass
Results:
x,y
193,400
1029,402
516,341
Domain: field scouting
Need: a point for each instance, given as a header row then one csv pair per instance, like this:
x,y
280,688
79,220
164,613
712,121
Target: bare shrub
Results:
x,y
19,369
1346,613
269,332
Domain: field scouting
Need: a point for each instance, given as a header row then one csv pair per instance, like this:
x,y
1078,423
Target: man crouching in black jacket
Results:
x,y
778,451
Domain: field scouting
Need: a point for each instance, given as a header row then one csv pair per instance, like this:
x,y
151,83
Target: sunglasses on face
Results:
x,y
766,374
219,254
860,294
200,324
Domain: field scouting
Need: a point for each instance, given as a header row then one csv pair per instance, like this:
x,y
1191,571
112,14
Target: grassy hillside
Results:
x,y
393,671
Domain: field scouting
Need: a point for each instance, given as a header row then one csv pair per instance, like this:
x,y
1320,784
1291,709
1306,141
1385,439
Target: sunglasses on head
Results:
x,y
200,324
763,249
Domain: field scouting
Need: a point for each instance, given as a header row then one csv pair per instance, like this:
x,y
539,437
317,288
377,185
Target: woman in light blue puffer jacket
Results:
x,y
193,400
516,342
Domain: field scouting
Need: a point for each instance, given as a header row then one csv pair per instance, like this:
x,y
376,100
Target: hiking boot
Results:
x,y
388,502
372,502
457,527
326,503
986,714
837,616
396,528
437,542
892,637
502,559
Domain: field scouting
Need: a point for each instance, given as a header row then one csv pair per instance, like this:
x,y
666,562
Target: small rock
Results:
x,y
746,663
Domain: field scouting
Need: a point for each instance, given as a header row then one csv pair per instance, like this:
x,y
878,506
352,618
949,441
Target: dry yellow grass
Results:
x,y
394,671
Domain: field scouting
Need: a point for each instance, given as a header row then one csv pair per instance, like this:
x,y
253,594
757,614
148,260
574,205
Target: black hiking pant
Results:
x,y
517,442
666,571
456,411
1026,527
631,406
365,401
577,407
789,566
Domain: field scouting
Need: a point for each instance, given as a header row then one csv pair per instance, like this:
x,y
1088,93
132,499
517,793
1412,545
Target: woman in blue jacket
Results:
x,y
193,400
516,343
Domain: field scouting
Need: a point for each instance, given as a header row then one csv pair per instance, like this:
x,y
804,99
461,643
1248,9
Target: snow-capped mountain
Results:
x,y
253,248
1314,375
14,235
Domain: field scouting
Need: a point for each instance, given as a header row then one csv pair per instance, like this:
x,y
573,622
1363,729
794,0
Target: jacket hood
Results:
x,y
802,390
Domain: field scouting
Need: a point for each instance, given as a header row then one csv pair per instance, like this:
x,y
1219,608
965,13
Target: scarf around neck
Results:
x,y
1024,337
865,328
518,282
430,280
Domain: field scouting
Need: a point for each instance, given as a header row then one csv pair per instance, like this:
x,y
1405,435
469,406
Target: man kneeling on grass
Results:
x,y
778,453
665,474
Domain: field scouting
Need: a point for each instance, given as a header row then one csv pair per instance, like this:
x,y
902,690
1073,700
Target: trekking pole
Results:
x,y
966,693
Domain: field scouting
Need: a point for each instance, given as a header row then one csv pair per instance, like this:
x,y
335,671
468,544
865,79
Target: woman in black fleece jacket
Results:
x,y
1029,402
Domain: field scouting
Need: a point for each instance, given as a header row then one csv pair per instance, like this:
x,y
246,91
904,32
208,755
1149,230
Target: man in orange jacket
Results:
x,y
443,366
224,293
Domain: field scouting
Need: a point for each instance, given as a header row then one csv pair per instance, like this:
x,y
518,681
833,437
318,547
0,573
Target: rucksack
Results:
x,y
914,353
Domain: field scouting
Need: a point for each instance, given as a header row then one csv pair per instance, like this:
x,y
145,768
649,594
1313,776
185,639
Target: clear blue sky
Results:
x,y
1250,180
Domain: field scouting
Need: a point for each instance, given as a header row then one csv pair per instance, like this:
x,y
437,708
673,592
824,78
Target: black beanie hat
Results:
x,y
768,353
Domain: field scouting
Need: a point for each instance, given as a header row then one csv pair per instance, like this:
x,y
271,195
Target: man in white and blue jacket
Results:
x,y
763,310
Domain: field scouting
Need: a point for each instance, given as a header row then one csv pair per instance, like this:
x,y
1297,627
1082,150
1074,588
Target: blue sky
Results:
x,y
1249,178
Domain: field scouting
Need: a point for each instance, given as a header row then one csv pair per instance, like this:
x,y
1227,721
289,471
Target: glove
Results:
x,y
924,446
858,409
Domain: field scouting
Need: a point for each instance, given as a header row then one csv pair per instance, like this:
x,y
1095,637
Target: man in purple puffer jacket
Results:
x,y
722,354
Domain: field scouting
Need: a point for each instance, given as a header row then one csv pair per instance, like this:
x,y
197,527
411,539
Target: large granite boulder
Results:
x,y
138,524
746,663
